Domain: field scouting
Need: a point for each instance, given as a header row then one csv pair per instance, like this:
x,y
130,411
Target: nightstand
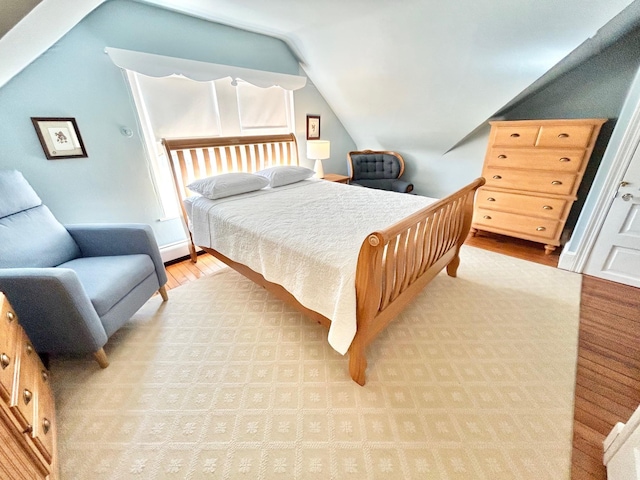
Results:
x,y
334,177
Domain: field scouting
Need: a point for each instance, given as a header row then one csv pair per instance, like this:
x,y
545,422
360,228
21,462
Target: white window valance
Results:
x,y
154,65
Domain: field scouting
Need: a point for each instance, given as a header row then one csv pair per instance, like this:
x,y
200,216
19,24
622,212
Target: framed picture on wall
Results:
x,y
313,127
59,137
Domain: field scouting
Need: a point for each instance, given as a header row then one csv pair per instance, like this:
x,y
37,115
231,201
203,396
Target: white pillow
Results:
x,y
227,184
285,174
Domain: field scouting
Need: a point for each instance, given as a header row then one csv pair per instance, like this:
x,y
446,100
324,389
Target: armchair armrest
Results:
x,y
401,186
53,309
100,240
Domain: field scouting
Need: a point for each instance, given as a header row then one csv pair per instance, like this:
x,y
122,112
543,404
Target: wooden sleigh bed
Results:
x,y
393,264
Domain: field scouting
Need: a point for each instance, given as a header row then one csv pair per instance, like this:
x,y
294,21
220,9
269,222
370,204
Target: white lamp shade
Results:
x,y
318,149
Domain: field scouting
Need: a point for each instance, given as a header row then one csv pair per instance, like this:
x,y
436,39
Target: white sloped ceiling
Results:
x,y
402,75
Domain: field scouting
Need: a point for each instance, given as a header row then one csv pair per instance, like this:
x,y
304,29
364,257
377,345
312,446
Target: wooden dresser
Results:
x,y
27,413
533,170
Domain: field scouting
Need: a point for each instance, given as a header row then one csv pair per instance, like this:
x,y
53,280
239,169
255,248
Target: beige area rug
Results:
x,y
474,380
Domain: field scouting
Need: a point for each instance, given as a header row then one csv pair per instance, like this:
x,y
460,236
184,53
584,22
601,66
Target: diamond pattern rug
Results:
x,y
474,380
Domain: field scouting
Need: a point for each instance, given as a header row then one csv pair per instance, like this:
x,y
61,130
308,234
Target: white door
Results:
x,y
616,252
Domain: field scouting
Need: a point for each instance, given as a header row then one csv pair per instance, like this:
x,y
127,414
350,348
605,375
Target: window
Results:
x,y
175,106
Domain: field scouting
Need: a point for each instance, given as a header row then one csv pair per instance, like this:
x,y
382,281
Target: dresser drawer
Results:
x,y
516,135
542,182
8,346
568,161
43,425
565,136
551,208
23,398
544,229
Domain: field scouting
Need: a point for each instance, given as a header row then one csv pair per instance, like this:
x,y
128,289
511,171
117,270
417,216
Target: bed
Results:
x,y
369,252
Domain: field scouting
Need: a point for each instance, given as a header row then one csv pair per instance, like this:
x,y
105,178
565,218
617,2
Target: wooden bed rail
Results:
x,y
194,158
394,264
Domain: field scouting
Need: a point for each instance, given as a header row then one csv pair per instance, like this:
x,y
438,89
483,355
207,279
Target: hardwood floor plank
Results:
x,y
592,416
619,348
612,328
628,381
592,473
611,297
588,440
605,358
608,388
617,410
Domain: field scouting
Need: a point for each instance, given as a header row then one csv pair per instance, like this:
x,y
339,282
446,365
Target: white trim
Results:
x,y
154,65
175,250
574,257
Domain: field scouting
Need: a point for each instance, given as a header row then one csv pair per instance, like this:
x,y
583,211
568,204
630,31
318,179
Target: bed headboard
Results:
x,y
194,158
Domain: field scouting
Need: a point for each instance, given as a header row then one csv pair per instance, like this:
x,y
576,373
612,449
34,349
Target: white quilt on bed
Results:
x,y
305,237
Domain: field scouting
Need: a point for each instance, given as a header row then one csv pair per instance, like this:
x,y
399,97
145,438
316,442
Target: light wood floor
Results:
x,y
608,373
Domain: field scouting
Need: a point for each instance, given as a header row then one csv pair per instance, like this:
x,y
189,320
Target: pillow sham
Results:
x,y
285,174
227,184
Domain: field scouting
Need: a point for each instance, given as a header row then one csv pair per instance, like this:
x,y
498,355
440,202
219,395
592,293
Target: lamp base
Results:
x,y
318,169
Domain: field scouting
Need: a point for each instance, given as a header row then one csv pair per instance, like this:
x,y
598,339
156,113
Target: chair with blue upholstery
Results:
x,y
72,286
378,169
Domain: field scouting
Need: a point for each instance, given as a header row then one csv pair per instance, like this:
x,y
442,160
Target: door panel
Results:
x,y
616,253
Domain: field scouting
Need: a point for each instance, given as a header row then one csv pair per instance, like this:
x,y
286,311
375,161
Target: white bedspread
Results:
x,y
305,237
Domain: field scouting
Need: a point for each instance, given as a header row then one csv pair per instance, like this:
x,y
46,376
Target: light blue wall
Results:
x,y
75,78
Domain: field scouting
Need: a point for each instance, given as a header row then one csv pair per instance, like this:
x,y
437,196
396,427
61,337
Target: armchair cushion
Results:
x,y
34,238
107,280
375,166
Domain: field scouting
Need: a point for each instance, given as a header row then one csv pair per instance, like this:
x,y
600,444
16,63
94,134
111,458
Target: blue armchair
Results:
x,y
72,287
378,169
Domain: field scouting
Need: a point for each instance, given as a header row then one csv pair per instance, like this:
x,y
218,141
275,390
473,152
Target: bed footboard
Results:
x,y
394,265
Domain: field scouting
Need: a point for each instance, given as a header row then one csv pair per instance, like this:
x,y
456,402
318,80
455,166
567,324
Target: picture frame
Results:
x,y
313,127
59,137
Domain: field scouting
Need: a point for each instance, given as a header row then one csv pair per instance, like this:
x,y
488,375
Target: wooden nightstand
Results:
x,y
334,177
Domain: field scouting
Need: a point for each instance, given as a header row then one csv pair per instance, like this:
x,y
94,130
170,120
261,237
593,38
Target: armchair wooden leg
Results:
x,y
163,293
101,357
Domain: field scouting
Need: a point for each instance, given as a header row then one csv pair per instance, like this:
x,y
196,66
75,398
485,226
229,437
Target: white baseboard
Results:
x,y
568,261
174,251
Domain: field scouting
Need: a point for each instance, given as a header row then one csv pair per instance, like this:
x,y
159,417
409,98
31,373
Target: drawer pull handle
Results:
x,y
515,135
563,135
27,396
556,182
502,156
541,229
29,349
29,429
5,361
547,207
11,316
491,199
565,159
497,177
45,376
46,425
487,217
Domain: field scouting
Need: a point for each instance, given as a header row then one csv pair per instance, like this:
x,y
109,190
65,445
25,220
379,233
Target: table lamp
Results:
x,y
318,150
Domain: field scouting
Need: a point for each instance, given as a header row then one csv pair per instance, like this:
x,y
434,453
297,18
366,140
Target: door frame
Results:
x,y
624,141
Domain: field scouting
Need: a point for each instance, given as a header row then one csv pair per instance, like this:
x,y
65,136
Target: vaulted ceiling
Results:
x,y
412,75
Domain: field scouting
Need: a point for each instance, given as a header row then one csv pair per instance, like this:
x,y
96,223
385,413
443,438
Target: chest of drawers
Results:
x,y
533,169
27,415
